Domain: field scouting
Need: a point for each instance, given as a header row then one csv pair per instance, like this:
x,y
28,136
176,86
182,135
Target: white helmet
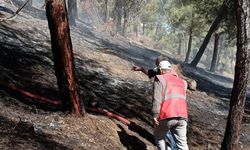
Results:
x,y
164,65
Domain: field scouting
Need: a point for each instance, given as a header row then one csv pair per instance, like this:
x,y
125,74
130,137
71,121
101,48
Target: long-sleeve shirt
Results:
x,y
157,98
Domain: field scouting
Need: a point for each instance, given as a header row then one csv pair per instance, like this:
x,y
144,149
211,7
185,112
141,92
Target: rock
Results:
x,y
192,84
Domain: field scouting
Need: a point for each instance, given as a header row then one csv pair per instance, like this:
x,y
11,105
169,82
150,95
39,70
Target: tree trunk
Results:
x,y
125,22
118,15
63,55
76,10
221,49
30,3
157,28
143,28
106,13
215,24
72,11
238,97
189,47
232,54
135,29
180,46
215,53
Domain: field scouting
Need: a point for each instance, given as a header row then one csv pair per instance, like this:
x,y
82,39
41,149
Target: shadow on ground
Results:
x,y
26,61
129,141
22,135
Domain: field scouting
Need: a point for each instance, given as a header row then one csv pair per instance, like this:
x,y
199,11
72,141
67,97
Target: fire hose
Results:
x,y
57,103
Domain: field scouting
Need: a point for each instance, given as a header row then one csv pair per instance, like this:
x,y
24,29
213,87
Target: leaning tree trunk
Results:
x,y
72,12
189,46
215,24
215,53
62,55
237,103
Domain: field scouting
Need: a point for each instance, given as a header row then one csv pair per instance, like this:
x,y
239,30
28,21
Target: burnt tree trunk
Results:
x,y
215,24
232,58
215,53
118,16
76,10
221,49
189,46
180,46
106,12
238,97
157,28
30,3
125,20
72,12
135,29
143,28
62,55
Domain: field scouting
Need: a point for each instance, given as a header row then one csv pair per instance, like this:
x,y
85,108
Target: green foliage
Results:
x,y
149,12
166,20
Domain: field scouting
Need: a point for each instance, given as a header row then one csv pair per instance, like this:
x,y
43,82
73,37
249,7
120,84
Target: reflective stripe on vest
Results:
x,y
174,97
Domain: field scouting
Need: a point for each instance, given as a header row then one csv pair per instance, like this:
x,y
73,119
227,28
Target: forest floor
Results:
x,y
105,80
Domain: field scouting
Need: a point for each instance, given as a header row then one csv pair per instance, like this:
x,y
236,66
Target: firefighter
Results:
x,y
169,109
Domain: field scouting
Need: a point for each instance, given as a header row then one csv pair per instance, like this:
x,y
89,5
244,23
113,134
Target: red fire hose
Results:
x,y
57,103
131,125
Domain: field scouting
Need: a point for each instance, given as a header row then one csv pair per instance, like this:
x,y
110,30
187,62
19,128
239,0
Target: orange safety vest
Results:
x,y
174,102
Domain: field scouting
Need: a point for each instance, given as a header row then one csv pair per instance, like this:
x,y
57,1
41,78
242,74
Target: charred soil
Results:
x,y
106,82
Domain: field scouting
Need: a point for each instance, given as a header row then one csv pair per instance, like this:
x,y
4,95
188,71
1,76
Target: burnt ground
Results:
x,y
103,65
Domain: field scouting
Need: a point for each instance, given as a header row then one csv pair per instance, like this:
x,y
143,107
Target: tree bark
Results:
x,y
125,21
238,96
214,26
106,13
143,28
72,12
189,47
76,10
118,15
30,3
221,47
63,55
180,46
157,28
215,53
135,29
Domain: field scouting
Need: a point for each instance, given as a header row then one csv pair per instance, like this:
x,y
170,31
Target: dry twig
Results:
x,y
15,14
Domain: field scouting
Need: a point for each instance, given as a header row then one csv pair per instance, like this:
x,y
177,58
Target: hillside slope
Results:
x,y
103,70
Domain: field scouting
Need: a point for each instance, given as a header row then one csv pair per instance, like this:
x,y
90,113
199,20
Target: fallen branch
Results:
x,y
15,14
